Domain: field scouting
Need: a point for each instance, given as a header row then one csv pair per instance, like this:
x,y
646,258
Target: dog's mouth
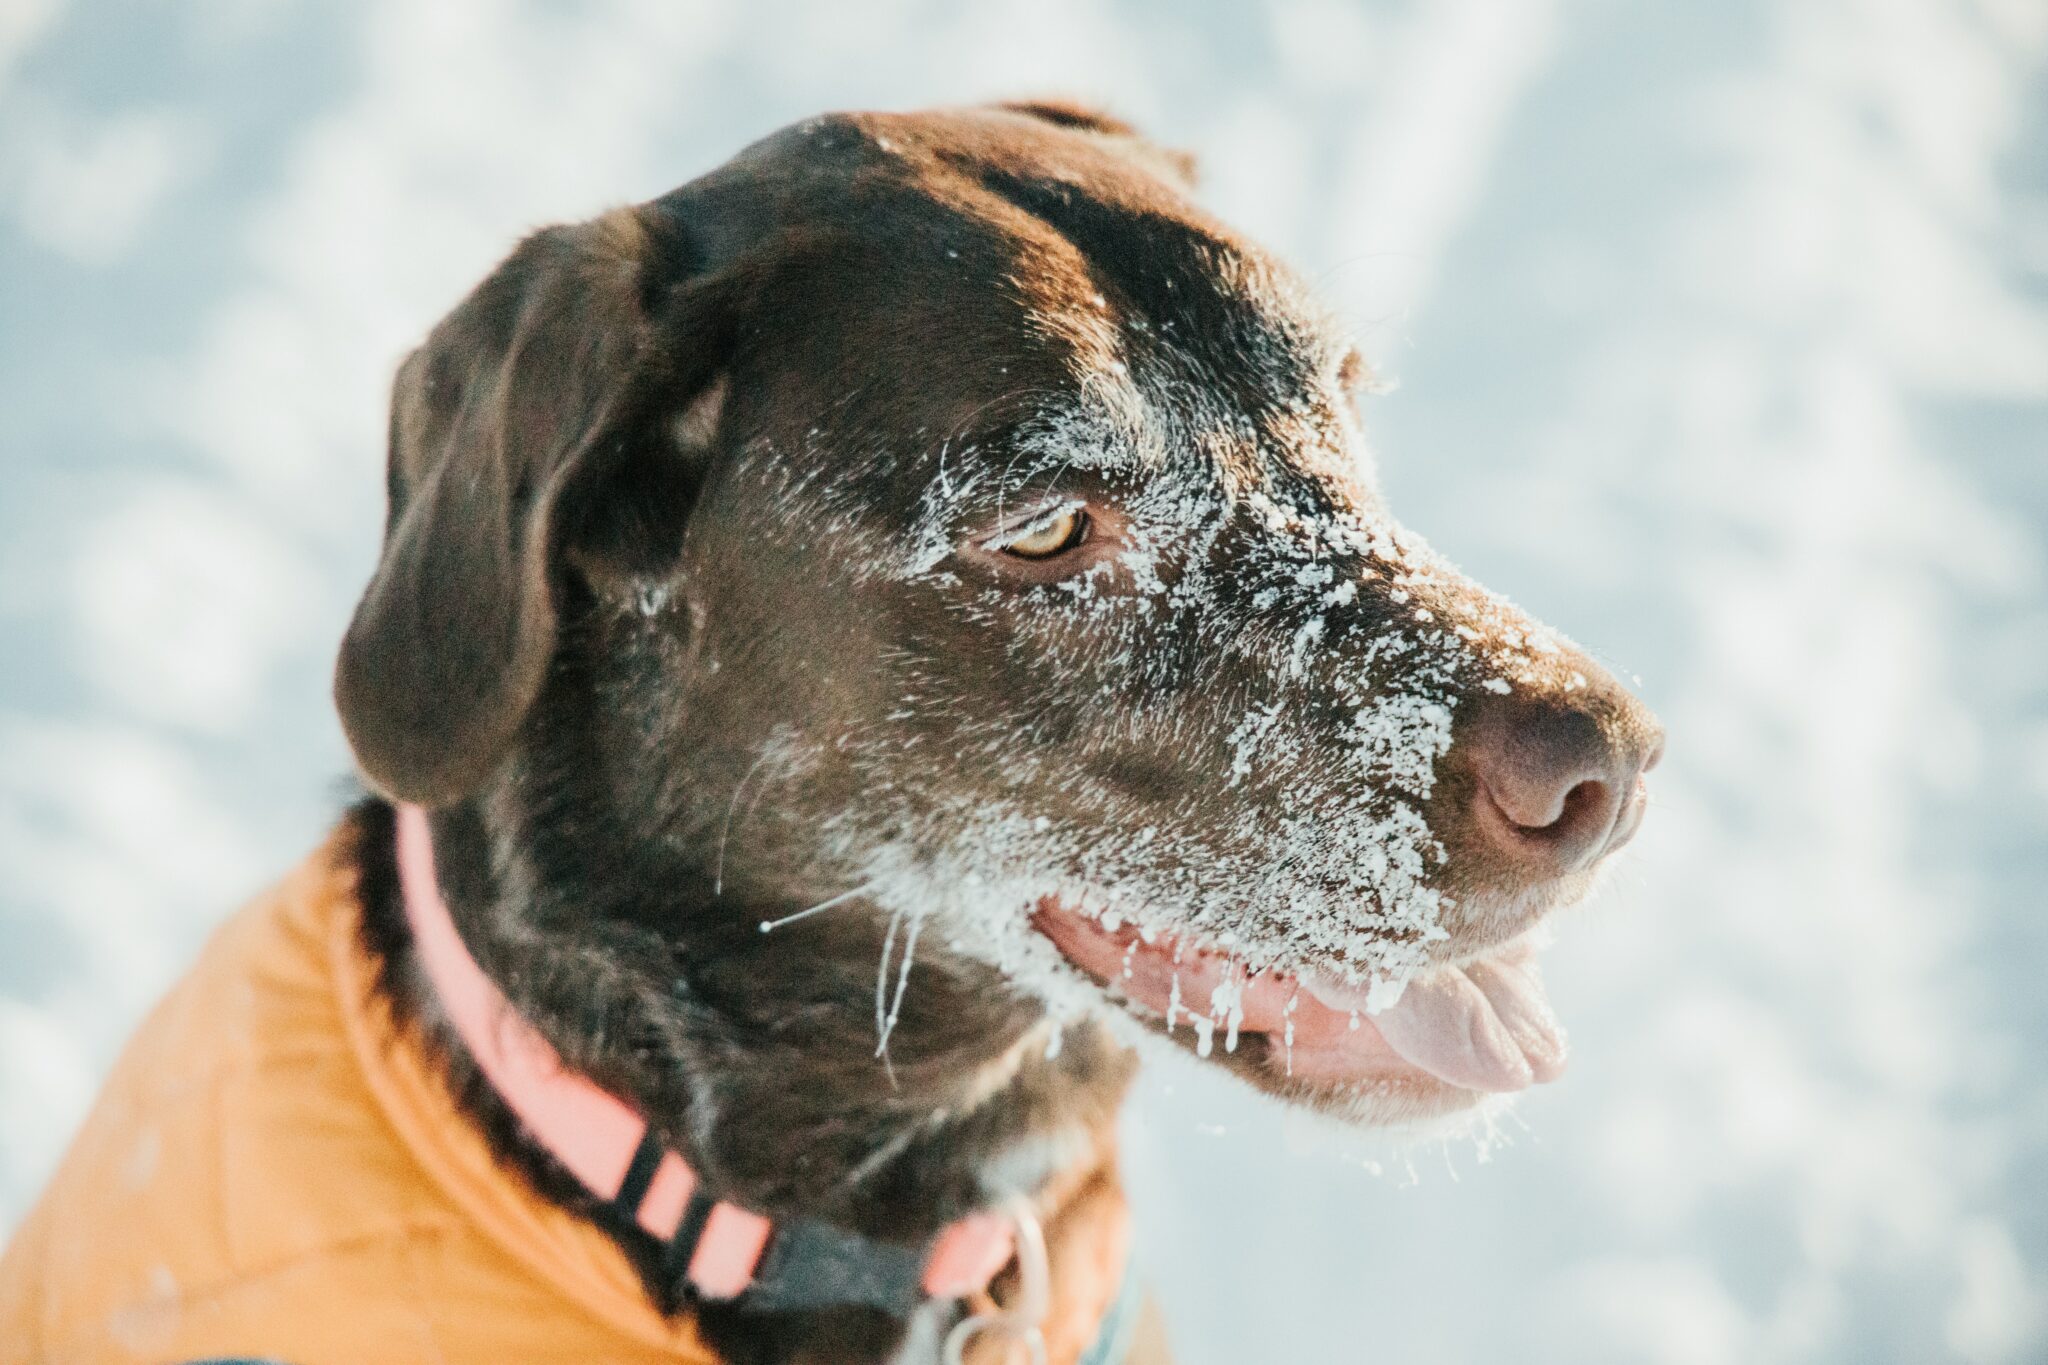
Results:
x,y
1485,1026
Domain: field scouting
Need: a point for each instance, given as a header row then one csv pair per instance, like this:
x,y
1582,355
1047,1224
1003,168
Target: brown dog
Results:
x,y
934,539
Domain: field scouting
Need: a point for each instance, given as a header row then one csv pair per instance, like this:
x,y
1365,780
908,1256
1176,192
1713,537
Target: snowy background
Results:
x,y
1721,336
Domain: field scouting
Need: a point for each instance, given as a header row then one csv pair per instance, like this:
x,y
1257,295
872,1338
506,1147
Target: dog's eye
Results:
x,y
1043,537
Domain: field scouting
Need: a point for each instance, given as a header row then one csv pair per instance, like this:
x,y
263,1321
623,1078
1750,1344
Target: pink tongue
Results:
x,y
1484,1027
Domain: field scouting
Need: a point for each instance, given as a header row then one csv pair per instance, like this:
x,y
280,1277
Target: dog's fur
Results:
x,y
686,621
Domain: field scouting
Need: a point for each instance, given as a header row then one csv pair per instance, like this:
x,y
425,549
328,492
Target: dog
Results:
x,y
865,645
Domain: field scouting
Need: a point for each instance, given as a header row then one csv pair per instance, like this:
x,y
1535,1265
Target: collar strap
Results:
x,y
716,1248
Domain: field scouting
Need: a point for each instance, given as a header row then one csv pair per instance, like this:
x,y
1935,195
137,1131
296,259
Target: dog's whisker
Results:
x,y
883,1154
902,979
771,925
882,998
725,834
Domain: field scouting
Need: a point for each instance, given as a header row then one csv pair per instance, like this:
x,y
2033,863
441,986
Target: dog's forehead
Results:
x,y
1093,316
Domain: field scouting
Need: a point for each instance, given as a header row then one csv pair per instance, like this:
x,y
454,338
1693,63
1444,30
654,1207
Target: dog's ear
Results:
x,y
1169,163
514,428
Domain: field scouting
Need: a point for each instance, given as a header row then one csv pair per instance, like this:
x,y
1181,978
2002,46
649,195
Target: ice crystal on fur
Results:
x,y
1260,619
1329,860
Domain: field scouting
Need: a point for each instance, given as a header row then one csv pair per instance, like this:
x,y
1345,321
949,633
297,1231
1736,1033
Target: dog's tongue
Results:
x,y
1484,1026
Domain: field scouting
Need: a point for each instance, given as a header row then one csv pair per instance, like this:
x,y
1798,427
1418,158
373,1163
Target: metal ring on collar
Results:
x,y
1019,1322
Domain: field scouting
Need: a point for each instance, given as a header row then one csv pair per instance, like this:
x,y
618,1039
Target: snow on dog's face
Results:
x,y
939,522
1093,655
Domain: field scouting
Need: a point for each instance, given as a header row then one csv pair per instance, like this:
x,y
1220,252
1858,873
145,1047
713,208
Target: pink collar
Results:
x,y
719,1247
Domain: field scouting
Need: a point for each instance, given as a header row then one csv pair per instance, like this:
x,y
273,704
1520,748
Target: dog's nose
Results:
x,y
1560,777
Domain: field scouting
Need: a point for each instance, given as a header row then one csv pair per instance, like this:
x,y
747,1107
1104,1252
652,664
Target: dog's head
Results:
x,y
942,517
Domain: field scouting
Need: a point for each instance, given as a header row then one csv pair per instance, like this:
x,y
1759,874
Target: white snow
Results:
x,y
1720,341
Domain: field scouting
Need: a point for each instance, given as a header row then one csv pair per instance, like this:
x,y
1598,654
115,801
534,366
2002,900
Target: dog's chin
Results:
x,y
1451,1041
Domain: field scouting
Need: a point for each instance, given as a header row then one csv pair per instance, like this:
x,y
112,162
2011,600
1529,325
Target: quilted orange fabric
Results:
x,y
274,1170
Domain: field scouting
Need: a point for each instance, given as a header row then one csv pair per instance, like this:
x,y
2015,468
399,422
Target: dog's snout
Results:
x,y
1560,776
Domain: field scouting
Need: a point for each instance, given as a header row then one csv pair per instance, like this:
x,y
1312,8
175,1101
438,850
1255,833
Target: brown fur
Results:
x,y
633,638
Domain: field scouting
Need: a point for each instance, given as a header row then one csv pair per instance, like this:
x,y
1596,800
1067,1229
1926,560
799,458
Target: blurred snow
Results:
x,y
1721,335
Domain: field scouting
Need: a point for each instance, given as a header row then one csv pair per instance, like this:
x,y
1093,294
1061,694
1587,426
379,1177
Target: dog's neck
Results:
x,y
719,1248
758,1070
